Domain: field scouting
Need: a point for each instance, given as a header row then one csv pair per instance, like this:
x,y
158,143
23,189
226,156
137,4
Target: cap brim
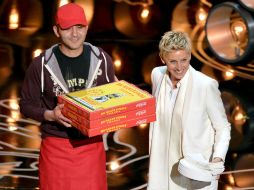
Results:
x,y
68,24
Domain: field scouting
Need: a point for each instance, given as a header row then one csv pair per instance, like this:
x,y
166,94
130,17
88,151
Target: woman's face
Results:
x,y
177,62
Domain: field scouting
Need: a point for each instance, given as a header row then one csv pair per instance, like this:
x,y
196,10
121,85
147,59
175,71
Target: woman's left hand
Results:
x,y
216,166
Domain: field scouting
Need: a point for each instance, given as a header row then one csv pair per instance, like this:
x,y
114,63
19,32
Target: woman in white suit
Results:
x,y
191,135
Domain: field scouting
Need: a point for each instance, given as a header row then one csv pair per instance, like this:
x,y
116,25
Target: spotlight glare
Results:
x,y
14,19
144,13
63,2
37,52
201,15
142,126
114,165
12,128
229,74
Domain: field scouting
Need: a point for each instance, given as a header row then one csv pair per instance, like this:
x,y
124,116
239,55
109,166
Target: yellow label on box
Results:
x,y
108,95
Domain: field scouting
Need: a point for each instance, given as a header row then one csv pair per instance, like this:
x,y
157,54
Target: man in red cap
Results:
x,y
68,160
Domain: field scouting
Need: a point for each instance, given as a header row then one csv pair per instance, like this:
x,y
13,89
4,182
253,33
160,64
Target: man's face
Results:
x,y
72,38
177,62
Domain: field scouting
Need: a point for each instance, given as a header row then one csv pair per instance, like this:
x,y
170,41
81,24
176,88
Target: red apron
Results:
x,y
72,165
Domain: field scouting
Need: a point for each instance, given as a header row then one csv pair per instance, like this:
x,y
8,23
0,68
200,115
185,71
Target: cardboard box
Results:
x,y
106,129
108,108
107,100
108,121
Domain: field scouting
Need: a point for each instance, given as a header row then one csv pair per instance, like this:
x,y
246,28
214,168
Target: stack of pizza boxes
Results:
x,y
108,108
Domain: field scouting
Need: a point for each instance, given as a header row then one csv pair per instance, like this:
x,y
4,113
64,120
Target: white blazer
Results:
x,y
205,128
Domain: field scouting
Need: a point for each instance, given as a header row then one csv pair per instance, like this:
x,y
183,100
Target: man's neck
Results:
x,y
69,52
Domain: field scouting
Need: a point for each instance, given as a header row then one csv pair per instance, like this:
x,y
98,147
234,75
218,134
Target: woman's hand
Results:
x,y
217,166
217,159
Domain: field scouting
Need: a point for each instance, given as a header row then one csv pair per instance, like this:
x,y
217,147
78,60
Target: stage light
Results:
x,y
143,126
231,179
37,52
114,165
238,116
117,60
244,171
63,2
137,19
14,17
239,33
249,4
118,64
130,2
201,16
228,74
12,127
239,113
230,33
144,14
227,187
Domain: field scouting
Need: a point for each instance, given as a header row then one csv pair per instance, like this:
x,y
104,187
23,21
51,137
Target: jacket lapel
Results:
x,y
188,98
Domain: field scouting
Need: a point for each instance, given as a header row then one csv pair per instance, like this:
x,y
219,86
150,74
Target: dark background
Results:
x,y
114,26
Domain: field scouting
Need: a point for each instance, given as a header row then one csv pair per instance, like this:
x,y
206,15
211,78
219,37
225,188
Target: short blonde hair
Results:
x,y
174,40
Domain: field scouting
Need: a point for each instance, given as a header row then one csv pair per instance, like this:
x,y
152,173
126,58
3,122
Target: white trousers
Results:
x,y
202,185
188,184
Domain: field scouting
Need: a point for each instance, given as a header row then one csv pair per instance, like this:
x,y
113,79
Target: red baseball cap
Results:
x,y
69,15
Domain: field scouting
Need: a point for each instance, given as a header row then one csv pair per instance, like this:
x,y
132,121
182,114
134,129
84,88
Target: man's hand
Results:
x,y
56,115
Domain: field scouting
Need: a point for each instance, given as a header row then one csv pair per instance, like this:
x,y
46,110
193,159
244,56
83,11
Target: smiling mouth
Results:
x,y
179,72
74,39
